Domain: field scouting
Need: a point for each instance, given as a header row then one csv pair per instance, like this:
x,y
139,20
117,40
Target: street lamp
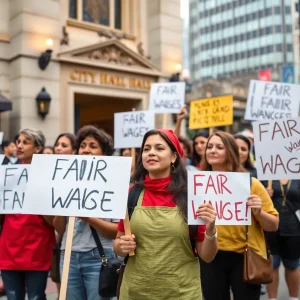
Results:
x,y
43,103
45,57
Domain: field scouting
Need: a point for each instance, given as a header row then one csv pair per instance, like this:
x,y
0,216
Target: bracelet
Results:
x,y
211,238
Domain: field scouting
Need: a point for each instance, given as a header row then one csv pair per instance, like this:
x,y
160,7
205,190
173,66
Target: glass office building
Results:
x,y
234,37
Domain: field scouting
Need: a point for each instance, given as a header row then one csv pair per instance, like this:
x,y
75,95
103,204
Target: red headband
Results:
x,y
173,139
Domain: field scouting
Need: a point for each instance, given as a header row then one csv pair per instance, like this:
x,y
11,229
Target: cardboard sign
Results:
x,y
130,128
211,112
272,101
78,185
227,192
167,97
277,149
13,182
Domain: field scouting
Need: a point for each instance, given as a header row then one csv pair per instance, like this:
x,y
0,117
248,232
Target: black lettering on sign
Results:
x,y
100,168
83,199
277,90
86,197
134,132
4,197
24,175
8,174
79,169
137,118
17,199
75,197
275,103
12,198
56,167
272,115
169,104
73,167
105,200
167,90
59,200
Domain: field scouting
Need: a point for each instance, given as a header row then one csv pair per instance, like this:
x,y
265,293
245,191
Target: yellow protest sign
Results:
x,y
211,112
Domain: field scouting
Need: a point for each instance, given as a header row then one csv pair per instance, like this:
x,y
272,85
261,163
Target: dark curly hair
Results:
x,y
105,140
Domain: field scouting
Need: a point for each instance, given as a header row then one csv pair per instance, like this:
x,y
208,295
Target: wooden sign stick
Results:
x,y
165,121
67,258
211,131
126,220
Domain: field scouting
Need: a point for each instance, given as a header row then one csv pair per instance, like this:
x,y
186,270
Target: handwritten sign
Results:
x,y
211,112
13,182
130,128
82,186
272,101
226,192
167,97
277,149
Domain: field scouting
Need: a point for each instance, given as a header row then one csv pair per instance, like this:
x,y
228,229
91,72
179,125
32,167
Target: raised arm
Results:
x,y
208,249
180,117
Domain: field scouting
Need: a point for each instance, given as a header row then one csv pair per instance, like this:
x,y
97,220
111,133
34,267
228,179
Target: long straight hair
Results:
x,y
232,153
178,185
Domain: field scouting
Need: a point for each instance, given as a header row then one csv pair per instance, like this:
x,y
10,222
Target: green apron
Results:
x,y
164,266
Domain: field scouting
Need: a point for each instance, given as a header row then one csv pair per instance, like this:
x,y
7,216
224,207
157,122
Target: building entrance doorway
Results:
x,y
99,110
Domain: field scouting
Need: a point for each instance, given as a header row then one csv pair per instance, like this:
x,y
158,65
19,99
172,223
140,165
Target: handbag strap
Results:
x,y
97,241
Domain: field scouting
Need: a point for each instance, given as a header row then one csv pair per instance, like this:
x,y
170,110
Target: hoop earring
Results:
x,y
173,169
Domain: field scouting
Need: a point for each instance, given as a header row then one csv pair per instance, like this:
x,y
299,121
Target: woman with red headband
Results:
x,y
164,266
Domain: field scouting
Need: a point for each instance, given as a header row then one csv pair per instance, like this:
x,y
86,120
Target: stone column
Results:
x,y
31,23
165,34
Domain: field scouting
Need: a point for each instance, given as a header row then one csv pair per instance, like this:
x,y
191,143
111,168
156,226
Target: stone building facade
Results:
x,y
104,56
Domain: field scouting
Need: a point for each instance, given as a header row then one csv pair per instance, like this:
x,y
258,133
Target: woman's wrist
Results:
x,y
211,235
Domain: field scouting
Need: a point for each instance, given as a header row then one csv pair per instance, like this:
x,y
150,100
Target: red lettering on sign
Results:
x,y
228,210
194,211
197,183
237,211
210,183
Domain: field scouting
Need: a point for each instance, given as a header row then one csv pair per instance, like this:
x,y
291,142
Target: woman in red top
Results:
x,y
26,241
164,266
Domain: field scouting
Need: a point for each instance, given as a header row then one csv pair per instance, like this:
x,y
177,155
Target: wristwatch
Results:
x,y
211,238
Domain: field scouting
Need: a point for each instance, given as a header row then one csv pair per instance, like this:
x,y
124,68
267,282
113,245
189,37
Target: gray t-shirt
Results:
x,y
83,239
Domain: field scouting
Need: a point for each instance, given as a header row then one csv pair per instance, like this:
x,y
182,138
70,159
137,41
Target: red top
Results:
x,y
156,195
26,243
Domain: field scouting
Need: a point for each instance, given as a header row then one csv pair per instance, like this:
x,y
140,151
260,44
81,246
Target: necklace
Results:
x,y
284,191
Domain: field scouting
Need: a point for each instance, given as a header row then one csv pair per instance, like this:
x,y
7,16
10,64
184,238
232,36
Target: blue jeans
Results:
x,y
15,282
291,264
84,273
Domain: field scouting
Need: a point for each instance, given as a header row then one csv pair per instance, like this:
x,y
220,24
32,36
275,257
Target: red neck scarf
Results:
x,y
157,185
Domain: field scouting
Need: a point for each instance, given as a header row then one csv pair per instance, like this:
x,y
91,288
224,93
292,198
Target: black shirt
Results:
x,y
289,225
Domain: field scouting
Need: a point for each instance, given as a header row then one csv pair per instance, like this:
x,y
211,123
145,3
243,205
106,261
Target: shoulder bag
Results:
x,y
257,269
109,271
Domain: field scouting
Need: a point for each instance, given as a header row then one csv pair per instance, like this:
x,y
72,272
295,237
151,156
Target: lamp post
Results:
x,y
43,103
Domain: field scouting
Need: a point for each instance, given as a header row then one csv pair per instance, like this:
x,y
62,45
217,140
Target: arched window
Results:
x,y
103,12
